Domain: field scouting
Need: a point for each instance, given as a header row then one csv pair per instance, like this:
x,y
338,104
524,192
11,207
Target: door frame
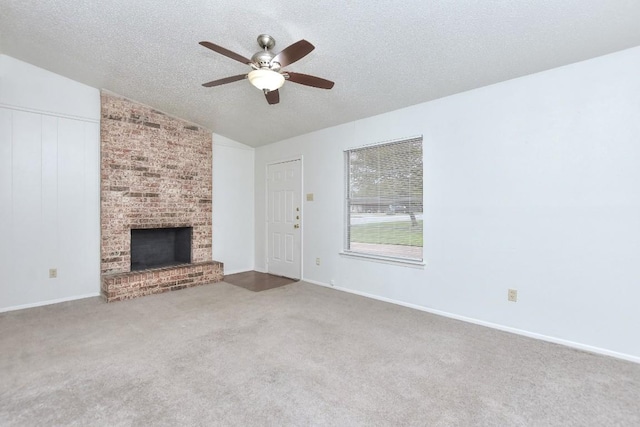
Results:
x,y
266,210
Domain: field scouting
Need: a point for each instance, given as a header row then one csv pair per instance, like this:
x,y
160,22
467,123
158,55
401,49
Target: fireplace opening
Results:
x,y
160,247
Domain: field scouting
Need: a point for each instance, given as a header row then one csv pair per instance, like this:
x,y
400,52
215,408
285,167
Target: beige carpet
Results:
x,y
295,355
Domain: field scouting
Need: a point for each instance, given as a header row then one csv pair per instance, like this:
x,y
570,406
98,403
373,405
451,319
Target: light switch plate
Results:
x,y
309,197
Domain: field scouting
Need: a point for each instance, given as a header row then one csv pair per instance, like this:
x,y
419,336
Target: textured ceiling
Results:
x,y
383,55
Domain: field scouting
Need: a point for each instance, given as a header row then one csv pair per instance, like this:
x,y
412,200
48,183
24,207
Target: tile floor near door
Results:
x,y
256,281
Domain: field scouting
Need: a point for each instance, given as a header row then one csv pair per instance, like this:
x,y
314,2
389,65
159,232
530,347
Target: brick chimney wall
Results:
x,y
155,173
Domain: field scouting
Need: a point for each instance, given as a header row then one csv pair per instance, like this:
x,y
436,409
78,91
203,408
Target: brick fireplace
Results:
x,y
155,174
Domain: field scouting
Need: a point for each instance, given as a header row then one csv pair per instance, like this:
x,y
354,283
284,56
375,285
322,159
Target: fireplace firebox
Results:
x,y
160,247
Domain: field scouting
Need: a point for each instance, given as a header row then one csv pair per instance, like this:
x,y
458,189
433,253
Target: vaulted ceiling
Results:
x,y
382,54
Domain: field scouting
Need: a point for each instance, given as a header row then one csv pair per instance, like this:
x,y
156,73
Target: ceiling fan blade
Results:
x,y
293,53
226,52
273,96
225,80
307,80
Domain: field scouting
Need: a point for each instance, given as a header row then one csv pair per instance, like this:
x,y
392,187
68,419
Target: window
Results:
x,y
384,200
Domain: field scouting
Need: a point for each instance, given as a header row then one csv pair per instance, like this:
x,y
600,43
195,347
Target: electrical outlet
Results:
x,y
53,273
512,295
317,261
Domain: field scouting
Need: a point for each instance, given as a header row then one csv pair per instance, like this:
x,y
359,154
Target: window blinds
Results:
x,y
384,200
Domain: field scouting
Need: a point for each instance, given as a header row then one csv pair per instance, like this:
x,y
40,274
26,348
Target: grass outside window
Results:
x,y
388,233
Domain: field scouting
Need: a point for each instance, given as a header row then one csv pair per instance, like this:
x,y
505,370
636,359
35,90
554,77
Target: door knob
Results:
x,y
296,226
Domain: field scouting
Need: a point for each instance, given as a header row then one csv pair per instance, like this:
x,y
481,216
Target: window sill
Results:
x,y
384,260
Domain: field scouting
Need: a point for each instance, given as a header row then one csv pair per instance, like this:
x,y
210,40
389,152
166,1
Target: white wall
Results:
x,y
49,187
532,184
25,86
233,205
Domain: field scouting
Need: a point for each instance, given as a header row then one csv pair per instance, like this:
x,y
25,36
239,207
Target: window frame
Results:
x,y
347,251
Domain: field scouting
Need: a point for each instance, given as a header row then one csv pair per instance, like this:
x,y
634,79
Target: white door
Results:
x,y
284,218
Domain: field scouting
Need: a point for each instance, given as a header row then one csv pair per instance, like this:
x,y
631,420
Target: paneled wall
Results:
x,y
49,207
49,187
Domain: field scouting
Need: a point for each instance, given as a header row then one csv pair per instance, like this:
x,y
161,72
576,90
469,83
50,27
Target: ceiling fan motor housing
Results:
x,y
263,60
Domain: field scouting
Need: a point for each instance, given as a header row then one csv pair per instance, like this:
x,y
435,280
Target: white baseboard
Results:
x,y
48,302
567,343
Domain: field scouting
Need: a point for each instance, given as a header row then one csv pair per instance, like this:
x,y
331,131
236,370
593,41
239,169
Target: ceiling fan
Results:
x,y
267,74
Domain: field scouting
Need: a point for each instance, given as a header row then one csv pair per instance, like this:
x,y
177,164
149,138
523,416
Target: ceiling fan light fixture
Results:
x,y
266,79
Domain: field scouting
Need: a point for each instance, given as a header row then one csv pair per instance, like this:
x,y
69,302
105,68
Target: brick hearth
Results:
x,y
121,286
156,173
